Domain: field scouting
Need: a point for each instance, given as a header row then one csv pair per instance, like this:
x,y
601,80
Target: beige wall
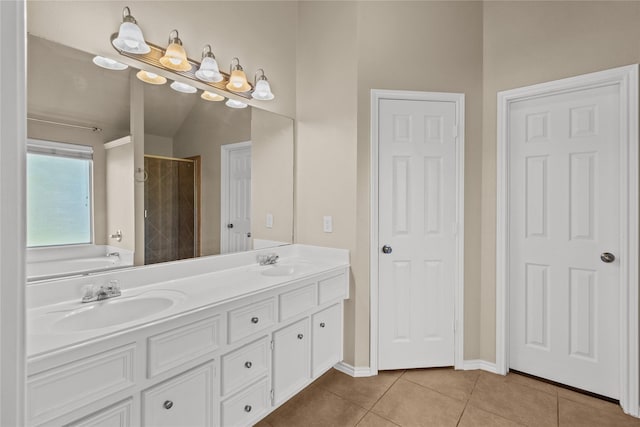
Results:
x,y
533,42
156,145
206,128
260,33
271,176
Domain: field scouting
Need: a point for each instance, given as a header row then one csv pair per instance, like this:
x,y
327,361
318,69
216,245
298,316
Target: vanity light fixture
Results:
x,y
109,63
235,104
175,57
262,89
208,71
238,79
151,78
130,38
183,87
210,96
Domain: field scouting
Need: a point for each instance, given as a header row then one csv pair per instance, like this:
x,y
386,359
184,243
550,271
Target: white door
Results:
x,y
417,221
236,199
563,214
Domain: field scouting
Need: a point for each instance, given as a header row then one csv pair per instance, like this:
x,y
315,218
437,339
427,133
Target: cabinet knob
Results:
x,y
167,404
248,365
247,408
322,325
254,320
300,336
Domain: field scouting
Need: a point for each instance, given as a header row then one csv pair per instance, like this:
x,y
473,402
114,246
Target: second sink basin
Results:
x,y
114,311
284,269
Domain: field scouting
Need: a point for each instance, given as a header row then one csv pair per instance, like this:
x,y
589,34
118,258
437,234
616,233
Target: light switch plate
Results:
x,y
327,224
269,222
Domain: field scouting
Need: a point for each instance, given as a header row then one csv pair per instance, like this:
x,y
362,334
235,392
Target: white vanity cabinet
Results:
x,y
224,365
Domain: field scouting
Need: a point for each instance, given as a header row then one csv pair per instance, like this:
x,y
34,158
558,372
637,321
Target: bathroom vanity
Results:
x,y
218,341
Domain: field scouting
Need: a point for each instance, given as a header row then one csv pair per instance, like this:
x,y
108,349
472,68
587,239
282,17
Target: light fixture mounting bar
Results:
x,y
153,58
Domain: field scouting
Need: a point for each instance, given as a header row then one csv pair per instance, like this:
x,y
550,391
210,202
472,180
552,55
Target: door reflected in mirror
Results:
x,y
213,179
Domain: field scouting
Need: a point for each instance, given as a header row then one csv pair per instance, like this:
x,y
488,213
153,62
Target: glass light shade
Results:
x,y
175,58
109,63
263,91
209,71
182,87
130,39
210,96
238,81
151,78
235,104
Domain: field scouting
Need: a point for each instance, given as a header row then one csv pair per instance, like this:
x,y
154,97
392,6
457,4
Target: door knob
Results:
x,y
386,249
229,225
607,257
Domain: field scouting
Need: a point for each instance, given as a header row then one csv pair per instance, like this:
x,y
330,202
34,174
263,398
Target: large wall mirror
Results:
x,y
215,179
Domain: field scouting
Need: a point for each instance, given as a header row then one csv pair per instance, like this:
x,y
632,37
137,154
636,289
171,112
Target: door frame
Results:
x,y
626,78
458,100
225,151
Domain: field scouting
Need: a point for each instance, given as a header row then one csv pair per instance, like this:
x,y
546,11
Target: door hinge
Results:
x,y
455,131
271,344
272,396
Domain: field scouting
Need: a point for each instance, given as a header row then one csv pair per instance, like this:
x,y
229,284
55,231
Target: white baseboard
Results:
x,y
468,365
361,371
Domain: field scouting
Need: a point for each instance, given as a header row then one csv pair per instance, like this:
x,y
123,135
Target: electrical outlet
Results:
x,y
269,222
327,224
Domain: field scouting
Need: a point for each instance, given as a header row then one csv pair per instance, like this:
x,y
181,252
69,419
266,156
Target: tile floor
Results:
x,y
442,397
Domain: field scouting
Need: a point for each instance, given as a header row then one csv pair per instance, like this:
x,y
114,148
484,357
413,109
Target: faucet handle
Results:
x,y
88,292
113,285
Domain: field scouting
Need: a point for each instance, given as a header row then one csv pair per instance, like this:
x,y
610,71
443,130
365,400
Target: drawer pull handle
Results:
x,y
247,408
300,336
167,404
248,365
322,325
254,320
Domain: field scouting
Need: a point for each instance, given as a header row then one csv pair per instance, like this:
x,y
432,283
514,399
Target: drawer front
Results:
x,y
327,339
252,318
297,301
68,387
332,288
247,406
186,400
181,345
118,415
244,365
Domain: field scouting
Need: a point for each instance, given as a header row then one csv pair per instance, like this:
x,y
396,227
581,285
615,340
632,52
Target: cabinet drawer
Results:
x,y
332,288
327,339
297,301
181,345
252,318
118,415
247,406
68,387
244,365
186,400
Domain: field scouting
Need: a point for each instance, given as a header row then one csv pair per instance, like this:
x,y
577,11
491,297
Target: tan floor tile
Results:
x,y
409,404
364,391
316,406
476,417
532,382
587,400
526,405
456,384
373,420
581,415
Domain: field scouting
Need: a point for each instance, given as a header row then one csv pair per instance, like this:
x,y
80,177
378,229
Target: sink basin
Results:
x,y
112,312
284,270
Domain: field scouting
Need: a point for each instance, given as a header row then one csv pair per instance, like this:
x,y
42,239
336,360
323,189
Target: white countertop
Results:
x,y
189,292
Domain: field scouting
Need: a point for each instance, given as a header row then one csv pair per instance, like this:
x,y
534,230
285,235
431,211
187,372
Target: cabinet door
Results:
x,y
291,359
327,338
186,400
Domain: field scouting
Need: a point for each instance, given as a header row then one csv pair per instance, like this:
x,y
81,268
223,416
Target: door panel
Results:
x,y
417,219
564,212
239,203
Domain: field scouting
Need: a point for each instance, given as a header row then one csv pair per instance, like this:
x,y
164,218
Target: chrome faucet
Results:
x,y
115,254
102,292
268,259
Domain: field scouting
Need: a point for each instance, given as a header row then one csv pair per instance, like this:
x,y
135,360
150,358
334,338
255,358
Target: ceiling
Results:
x,y
64,85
